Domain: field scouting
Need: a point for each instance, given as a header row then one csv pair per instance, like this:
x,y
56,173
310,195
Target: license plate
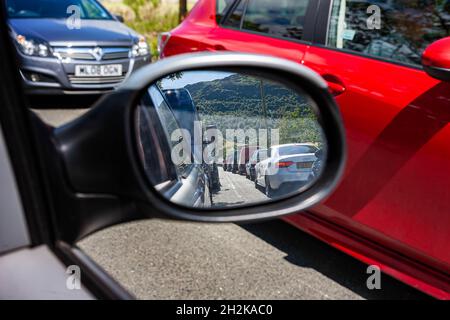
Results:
x,y
109,70
304,165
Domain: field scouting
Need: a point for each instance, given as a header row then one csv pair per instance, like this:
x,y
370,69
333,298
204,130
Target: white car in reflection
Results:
x,y
287,166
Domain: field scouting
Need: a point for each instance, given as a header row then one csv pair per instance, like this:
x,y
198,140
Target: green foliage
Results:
x,y
161,23
137,4
235,103
159,20
148,17
295,128
172,76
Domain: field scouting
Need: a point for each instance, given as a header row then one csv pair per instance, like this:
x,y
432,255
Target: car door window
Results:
x,y
287,41
172,130
288,150
151,151
89,9
222,7
406,27
283,18
235,17
93,10
262,155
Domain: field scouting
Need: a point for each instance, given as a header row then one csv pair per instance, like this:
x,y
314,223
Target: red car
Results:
x,y
392,208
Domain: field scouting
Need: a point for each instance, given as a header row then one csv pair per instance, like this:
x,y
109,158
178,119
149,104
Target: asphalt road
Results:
x,y
236,190
157,259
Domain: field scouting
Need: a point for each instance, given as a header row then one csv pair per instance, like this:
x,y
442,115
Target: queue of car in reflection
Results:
x,y
279,170
272,172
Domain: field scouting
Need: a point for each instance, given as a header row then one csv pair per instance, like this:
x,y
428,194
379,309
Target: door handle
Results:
x,y
219,47
216,47
335,85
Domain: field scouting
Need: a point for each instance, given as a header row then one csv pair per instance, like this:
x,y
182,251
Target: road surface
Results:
x,y
236,190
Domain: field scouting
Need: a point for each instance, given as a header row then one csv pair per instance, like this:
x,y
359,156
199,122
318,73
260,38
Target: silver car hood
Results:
x,y
91,33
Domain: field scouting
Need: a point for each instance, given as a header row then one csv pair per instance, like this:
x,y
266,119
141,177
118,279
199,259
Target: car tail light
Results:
x,y
284,164
163,38
305,165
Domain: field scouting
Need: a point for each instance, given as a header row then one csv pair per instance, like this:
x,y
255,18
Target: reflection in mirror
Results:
x,y
217,139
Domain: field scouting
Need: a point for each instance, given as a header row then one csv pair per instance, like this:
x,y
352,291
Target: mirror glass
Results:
x,y
214,139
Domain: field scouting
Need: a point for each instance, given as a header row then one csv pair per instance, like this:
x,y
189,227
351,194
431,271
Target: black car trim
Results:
x,y
438,73
310,20
16,123
244,12
268,35
322,22
227,13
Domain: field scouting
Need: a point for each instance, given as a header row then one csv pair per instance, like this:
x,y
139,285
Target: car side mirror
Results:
x,y
436,59
120,18
126,150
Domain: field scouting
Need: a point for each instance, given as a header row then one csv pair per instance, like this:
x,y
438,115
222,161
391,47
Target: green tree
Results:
x,y
136,4
298,127
183,9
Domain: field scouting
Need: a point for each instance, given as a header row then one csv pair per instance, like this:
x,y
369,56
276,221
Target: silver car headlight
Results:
x,y
140,49
31,47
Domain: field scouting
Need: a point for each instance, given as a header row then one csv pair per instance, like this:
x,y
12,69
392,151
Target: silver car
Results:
x,y
287,166
62,54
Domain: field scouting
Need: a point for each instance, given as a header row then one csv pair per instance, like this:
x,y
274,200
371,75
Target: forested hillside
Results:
x,y
235,103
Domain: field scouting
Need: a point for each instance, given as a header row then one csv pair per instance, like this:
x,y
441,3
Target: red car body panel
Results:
x,y
398,175
392,207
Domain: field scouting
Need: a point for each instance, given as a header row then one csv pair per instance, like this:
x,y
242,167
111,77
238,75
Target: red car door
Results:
x,y
281,28
396,188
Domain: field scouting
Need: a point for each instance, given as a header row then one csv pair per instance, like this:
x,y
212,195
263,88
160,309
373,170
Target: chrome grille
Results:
x,y
91,53
116,55
95,80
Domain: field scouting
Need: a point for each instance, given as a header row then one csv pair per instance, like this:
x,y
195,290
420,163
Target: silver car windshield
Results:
x,y
55,9
262,155
288,150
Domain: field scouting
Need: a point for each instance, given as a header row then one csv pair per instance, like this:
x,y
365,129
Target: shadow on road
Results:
x,y
305,251
62,101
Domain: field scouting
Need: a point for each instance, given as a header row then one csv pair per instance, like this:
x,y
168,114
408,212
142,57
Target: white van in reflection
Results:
x,y
287,165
